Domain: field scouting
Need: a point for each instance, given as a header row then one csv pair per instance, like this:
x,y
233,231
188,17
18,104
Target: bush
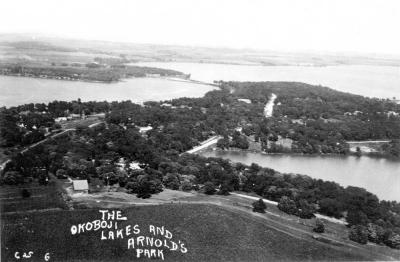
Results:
x,y
25,193
209,188
13,178
186,186
144,186
132,186
259,206
122,181
224,190
392,239
61,174
359,234
319,226
306,210
171,181
287,205
376,233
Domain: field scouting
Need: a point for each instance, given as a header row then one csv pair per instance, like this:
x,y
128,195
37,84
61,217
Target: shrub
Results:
x,y
25,193
319,226
186,186
61,174
13,178
122,181
392,239
224,190
259,206
171,181
376,233
144,189
209,188
306,210
359,234
132,186
287,205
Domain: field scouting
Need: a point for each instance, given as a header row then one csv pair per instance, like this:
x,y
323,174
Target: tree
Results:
x,y
223,143
144,188
171,181
319,226
330,207
287,205
9,130
239,141
356,217
359,234
209,188
259,206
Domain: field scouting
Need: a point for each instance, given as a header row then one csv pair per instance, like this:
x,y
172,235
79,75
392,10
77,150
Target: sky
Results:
x,y
364,26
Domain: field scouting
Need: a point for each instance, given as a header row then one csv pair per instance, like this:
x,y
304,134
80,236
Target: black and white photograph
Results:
x,y
199,130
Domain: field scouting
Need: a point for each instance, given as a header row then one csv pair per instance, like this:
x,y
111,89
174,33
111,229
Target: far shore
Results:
x,y
371,155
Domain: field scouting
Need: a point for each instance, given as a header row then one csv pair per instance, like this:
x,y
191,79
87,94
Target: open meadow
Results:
x,y
209,233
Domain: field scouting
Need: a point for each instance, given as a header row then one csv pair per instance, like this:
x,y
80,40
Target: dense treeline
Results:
x,y
319,119
88,72
316,119
27,124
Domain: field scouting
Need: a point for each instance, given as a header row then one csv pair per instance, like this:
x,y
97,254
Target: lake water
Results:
x,y
379,176
373,81
21,90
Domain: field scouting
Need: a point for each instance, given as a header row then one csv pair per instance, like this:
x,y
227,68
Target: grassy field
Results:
x,y
210,233
42,197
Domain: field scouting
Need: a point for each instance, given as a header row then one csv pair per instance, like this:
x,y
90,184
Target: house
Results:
x,y
144,129
60,119
80,186
247,101
134,166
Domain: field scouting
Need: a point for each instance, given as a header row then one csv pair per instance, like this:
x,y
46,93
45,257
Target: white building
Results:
x,y
80,186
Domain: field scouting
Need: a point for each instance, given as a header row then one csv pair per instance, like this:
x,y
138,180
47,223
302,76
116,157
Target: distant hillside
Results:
x,y
14,46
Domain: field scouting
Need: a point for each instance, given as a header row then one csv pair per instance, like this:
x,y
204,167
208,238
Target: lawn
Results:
x,y
209,232
42,197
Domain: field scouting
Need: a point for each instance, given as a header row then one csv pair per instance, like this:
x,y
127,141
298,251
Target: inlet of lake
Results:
x,y
21,90
378,175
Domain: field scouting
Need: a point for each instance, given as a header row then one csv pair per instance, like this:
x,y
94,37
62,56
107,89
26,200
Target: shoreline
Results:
x,y
236,150
168,78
